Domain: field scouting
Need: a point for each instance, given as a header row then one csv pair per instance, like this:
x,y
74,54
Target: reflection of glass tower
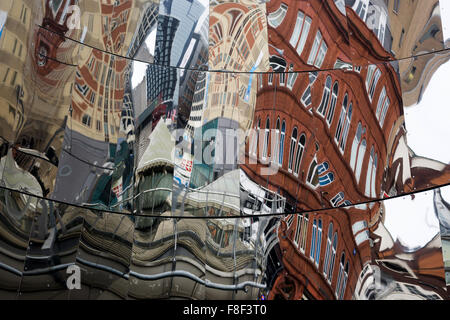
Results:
x,y
161,81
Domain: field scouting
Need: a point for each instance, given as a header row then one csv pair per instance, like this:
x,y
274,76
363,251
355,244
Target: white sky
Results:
x,y
427,122
414,222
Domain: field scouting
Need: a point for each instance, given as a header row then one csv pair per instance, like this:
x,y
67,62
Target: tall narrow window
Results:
x,y
292,149
298,157
374,173
344,282
373,75
270,79
333,258
300,33
371,172
292,77
347,121
355,145
313,240
318,51
380,102
276,18
255,146
313,176
328,249
360,7
322,110
304,232
289,220
340,275
319,242
266,139
361,153
282,138
298,229
382,107
277,142
334,96
340,126
384,112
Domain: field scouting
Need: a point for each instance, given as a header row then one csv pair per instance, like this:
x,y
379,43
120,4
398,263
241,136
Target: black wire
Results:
x,y
228,217
245,72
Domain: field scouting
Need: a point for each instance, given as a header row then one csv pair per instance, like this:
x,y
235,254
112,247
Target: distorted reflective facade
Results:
x,y
223,149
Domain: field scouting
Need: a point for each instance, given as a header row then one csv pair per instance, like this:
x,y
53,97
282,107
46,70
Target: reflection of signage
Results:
x,y
187,165
180,181
117,188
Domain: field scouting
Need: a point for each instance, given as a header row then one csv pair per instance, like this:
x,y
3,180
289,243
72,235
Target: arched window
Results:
x,y
384,112
304,232
355,145
254,148
292,77
282,138
318,242
373,75
334,96
328,249
276,18
298,157
333,258
313,176
266,139
382,107
292,149
360,7
344,281
338,198
326,179
340,126
322,168
374,175
361,153
318,51
371,174
348,120
300,33
340,276
277,142
298,229
313,240
322,110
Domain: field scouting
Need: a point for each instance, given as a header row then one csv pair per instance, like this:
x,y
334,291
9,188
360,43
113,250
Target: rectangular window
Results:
x,y
298,229
301,31
315,48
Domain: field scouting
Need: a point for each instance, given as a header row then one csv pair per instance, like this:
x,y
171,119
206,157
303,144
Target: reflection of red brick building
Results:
x,y
100,79
49,41
332,142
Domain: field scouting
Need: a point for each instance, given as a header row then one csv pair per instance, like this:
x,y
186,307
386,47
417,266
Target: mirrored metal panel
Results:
x,y
51,251
195,149
17,213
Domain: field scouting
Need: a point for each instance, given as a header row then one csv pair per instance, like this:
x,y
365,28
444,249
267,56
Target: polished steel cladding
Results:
x,y
224,149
